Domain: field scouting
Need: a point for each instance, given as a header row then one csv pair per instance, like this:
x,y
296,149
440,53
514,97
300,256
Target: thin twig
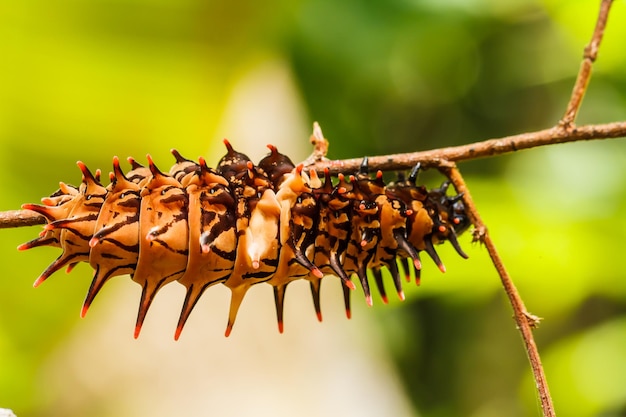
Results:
x,y
487,148
584,73
525,321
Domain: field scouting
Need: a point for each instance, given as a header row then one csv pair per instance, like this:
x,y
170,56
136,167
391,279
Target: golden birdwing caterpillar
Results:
x,y
241,224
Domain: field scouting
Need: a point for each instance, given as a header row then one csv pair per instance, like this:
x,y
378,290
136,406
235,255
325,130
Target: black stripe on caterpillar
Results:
x,y
242,224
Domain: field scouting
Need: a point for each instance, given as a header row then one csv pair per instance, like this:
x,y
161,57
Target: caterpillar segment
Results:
x,y
115,241
212,236
257,216
452,217
419,223
333,237
242,224
163,237
307,206
297,225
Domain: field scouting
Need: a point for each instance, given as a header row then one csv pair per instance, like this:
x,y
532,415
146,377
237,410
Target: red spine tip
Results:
x,y
418,281
417,264
385,299
137,331
83,311
38,281
229,328
281,327
319,316
401,295
348,313
368,300
317,273
177,332
442,268
350,285
23,246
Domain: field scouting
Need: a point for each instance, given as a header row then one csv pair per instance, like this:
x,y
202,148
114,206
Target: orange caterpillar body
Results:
x,y
242,224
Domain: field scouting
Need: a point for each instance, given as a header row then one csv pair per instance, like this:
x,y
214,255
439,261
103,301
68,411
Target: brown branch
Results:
x,y
525,321
488,148
404,161
20,218
584,73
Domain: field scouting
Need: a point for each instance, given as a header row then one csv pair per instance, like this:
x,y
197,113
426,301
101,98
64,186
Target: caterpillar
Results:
x,y
242,224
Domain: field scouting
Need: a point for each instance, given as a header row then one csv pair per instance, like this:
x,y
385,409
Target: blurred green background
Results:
x,y
86,80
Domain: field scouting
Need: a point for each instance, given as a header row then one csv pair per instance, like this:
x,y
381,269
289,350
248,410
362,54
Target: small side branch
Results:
x,y
320,146
584,73
525,321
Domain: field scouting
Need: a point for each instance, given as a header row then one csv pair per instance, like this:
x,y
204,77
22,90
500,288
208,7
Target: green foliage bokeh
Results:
x,y
90,79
